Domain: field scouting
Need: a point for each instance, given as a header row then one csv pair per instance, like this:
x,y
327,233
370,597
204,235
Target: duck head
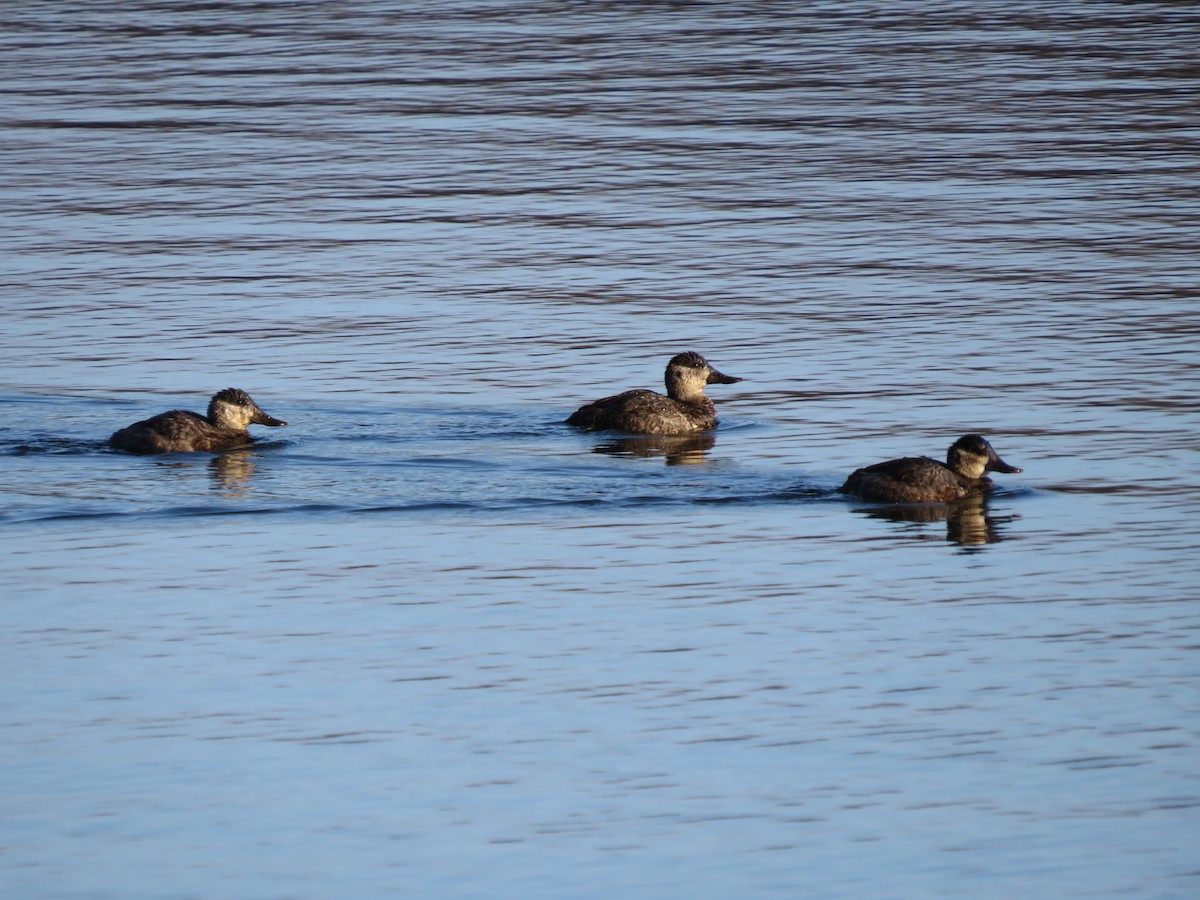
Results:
x,y
688,373
234,409
972,457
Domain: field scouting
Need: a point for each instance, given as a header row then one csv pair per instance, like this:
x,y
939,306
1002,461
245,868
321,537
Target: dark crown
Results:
x,y
233,396
690,360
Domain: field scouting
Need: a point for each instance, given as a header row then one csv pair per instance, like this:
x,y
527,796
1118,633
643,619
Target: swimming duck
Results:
x,y
920,479
229,413
684,409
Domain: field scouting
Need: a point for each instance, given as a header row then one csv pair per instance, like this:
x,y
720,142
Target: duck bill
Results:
x,y
715,377
263,419
996,464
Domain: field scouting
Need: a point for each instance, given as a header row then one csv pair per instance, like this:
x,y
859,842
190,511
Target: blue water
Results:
x,y
428,641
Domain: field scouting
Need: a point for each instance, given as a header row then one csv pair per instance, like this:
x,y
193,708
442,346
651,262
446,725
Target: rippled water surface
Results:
x,y
428,641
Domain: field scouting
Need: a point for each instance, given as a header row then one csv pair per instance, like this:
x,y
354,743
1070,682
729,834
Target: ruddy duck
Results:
x,y
919,479
225,427
684,409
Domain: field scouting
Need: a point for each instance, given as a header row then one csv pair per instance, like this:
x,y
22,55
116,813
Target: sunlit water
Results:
x,y
428,641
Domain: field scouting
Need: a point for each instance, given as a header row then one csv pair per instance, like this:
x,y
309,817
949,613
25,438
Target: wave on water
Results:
x,y
50,445
641,501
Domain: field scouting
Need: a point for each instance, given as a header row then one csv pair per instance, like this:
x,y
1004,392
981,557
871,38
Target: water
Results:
x,y
428,641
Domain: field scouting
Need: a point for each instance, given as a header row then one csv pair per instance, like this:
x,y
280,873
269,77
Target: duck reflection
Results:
x,y
967,520
678,449
233,472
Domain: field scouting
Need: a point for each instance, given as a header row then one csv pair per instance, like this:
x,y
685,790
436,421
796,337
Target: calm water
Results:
x,y
426,641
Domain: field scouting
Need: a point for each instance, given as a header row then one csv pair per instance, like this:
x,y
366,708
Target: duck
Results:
x,y
224,427
919,479
685,408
